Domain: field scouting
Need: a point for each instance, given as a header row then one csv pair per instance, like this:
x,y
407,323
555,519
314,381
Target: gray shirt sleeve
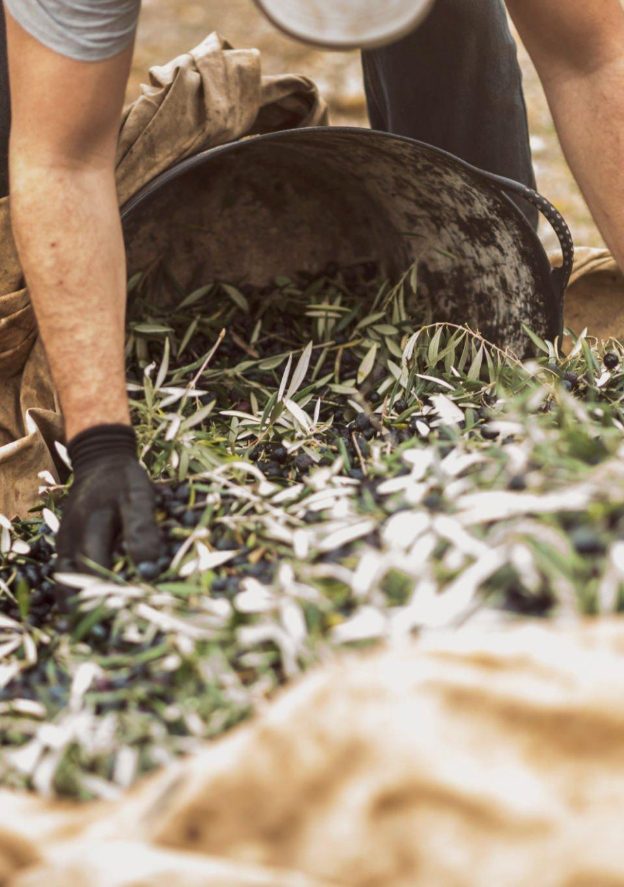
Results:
x,y
85,30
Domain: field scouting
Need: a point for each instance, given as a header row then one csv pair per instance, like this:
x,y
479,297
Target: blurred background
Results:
x,y
169,27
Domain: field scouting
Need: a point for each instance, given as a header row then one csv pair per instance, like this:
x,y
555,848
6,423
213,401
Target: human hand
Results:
x,y
111,500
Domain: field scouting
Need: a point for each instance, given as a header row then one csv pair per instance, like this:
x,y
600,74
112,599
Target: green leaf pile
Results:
x,y
333,470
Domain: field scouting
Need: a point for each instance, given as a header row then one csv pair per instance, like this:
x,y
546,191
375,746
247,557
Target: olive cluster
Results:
x,y
33,574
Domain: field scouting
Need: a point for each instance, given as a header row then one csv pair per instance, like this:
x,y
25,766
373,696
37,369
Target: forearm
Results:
x,y
588,110
66,220
68,234
578,50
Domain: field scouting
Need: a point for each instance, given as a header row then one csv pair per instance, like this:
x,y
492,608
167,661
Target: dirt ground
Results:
x,y
169,27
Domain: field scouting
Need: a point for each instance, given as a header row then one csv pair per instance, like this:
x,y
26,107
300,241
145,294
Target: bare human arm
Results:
x,y
578,50
65,122
67,229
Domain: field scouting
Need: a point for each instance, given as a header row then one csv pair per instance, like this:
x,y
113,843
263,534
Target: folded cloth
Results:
x,y
595,295
206,97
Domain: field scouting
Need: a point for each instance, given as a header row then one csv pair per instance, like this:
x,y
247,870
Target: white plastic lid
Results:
x,y
346,24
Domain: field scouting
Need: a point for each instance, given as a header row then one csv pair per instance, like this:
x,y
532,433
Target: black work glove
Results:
x,y
111,500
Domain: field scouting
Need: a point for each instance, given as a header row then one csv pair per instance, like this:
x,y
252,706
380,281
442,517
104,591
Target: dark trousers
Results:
x,y
456,84
5,110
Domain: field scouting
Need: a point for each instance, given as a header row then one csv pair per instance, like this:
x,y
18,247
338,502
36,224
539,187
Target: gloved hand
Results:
x,y
111,500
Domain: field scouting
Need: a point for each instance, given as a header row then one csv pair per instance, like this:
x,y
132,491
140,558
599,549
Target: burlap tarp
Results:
x,y
207,97
595,296
484,757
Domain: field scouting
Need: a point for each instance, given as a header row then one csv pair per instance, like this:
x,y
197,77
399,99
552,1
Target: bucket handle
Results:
x,y
560,275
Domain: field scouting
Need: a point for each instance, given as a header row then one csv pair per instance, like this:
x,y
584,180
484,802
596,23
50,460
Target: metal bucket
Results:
x,y
298,200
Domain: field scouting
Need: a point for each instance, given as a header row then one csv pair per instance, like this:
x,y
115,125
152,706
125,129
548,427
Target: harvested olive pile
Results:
x,y
329,472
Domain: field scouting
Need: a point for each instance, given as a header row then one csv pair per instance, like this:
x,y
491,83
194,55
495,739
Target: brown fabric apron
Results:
x,y
204,98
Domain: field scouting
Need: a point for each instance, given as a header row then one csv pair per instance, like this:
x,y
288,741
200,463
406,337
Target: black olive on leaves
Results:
x,y
190,519
356,473
611,360
303,462
224,544
148,570
400,405
490,433
517,482
174,547
362,422
46,588
31,574
433,502
587,541
280,454
571,377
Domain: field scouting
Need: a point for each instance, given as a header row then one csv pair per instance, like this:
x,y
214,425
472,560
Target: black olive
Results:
x,y
31,574
148,570
190,518
280,454
174,546
46,589
611,360
183,493
362,422
489,433
356,473
587,541
571,377
303,462
517,482
433,502
400,405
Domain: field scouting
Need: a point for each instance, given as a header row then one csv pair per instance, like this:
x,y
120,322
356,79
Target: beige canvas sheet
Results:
x,y
478,758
